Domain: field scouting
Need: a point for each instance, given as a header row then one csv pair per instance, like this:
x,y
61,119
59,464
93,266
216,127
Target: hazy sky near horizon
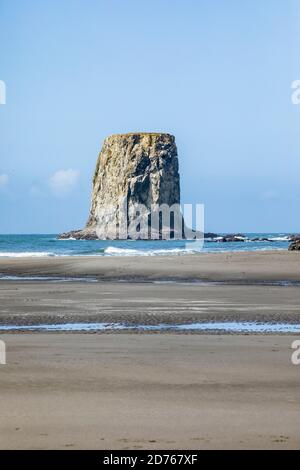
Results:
x,y
215,73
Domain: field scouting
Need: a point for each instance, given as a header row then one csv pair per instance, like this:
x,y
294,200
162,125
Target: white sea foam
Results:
x,y
67,239
114,251
280,239
24,254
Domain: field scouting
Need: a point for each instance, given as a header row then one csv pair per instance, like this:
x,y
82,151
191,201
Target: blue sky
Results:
x,y
215,73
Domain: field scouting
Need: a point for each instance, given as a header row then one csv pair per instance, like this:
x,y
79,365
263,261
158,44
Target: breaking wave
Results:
x,y
25,254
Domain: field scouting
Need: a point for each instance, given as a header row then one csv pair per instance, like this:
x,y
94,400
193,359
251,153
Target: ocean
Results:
x,y
15,246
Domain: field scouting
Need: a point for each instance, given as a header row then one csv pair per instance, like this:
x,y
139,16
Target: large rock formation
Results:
x,y
135,168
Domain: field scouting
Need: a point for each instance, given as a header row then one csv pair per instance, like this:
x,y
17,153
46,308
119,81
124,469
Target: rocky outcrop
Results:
x,y
233,237
210,235
295,245
230,237
84,234
136,168
294,238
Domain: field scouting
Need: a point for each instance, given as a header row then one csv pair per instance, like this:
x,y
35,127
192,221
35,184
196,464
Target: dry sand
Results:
x,y
149,391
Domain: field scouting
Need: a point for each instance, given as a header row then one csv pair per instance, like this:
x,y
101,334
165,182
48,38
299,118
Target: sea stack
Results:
x,y
139,168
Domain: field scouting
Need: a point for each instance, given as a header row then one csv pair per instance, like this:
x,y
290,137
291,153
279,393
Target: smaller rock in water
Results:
x,y
261,239
79,235
233,237
210,235
294,238
295,245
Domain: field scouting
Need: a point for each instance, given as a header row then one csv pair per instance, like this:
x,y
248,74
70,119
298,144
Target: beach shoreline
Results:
x,y
247,267
115,390
132,305
134,291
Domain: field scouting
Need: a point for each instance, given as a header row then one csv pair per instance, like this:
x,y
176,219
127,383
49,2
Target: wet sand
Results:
x,y
239,267
157,289
149,391
153,391
29,303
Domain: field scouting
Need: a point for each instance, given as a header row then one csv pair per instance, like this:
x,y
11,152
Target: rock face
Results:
x,y
295,245
233,237
138,168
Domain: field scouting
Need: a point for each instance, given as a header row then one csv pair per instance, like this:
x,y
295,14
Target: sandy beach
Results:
x,y
40,302
239,266
153,391
153,290
149,391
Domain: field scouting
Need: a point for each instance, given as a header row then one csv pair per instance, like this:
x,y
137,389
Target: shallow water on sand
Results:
x,y
230,327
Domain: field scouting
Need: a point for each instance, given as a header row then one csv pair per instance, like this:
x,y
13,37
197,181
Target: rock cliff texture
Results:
x,y
136,168
295,245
